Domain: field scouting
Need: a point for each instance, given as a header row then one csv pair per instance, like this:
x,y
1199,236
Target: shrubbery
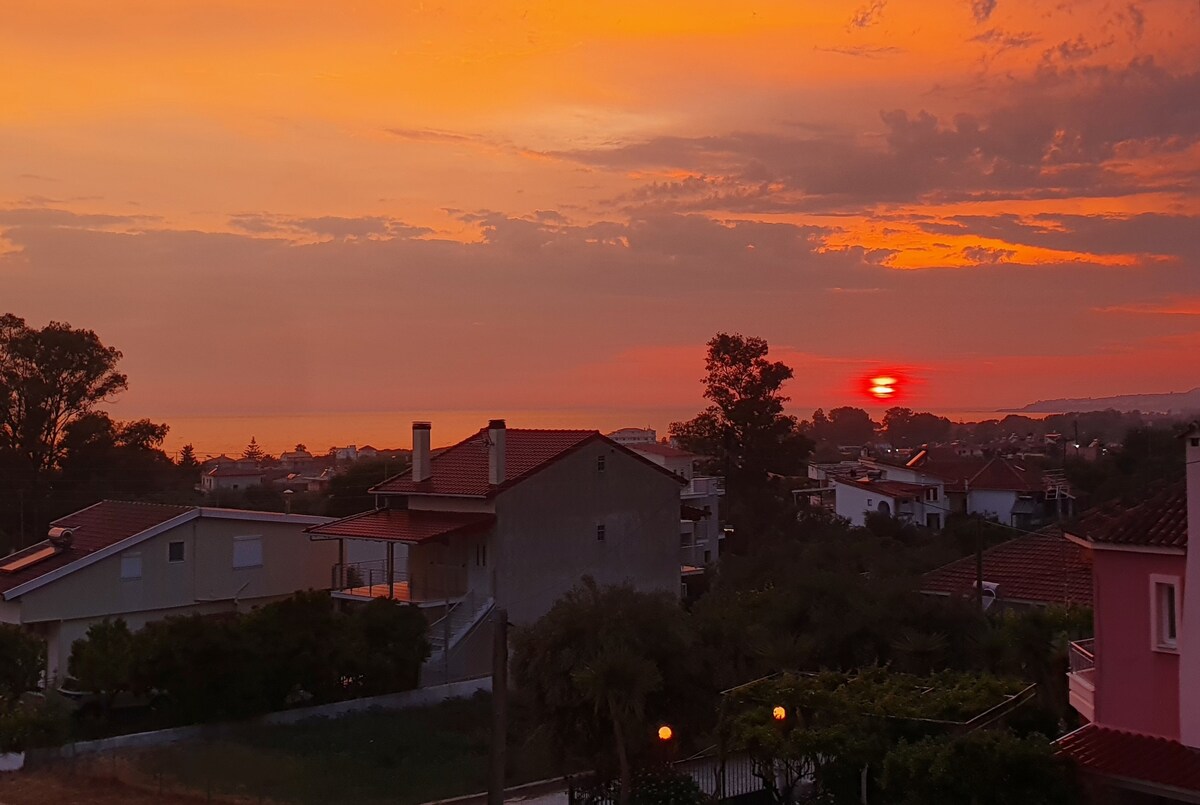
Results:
x,y
299,650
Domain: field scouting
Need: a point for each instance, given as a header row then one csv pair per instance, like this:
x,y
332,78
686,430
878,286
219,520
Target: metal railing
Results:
x,y
705,485
462,612
1083,655
368,574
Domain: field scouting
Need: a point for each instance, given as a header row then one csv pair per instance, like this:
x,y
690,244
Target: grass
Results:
x,y
409,756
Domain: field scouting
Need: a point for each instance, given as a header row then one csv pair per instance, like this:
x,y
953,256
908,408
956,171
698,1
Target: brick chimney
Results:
x,y
1189,618
420,453
496,433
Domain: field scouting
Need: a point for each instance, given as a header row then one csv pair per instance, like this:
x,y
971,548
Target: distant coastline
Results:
x,y
1170,402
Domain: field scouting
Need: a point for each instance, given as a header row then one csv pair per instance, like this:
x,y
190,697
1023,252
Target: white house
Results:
x,y
145,561
920,504
700,531
222,477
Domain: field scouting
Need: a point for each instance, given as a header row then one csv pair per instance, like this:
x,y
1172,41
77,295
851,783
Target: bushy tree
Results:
x,y
22,660
604,667
390,643
102,660
982,768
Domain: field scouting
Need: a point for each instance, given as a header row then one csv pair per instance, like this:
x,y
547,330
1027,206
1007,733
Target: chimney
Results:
x,y
420,454
496,433
1189,616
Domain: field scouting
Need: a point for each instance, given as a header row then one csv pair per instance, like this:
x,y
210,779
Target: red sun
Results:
x,y
882,386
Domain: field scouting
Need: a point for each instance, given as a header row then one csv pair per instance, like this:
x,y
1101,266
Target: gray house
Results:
x,y
510,518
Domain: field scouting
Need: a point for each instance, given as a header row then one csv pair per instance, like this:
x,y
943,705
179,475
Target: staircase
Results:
x,y
446,632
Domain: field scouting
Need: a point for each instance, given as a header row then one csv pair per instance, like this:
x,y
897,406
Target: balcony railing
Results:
x,y
1083,655
372,579
703,485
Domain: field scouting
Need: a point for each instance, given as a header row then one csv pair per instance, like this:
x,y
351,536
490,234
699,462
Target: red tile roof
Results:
x,y
891,489
1044,568
404,525
1127,755
232,472
960,472
1159,522
94,528
462,470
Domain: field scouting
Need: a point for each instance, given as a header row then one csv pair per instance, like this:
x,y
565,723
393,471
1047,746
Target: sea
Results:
x,y
213,435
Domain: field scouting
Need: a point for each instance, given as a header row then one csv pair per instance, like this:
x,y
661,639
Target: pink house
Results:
x,y
1137,683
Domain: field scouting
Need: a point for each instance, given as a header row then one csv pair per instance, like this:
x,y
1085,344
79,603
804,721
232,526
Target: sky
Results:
x,y
283,208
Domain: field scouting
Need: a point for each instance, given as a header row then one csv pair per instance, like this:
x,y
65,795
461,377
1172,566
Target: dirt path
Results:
x,y
47,788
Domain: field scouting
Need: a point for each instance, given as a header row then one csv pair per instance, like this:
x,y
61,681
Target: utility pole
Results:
x,y
499,706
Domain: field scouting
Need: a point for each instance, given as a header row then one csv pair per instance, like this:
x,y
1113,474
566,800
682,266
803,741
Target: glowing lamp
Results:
x,y
779,713
665,733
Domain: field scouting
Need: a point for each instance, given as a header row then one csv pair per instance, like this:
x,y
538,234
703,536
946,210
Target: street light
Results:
x,y
779,713
665,733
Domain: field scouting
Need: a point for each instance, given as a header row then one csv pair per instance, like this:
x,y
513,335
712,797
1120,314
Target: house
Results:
x,y
629,436
145,561
919,503
223,477
1137,683
997,488
509,518
700,531
1032,570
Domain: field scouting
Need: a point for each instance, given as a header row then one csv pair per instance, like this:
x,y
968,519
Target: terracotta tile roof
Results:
x,y
95,527
958,472
404,525
891,489
462,469
1159,522
1127,755
232,472
1043,568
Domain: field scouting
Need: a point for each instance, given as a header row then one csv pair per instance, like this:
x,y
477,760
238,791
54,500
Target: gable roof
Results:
x,y
1134,757
969,472
111,526
94,528
462,470
1044,568
659,449
410,526
896,490
1160,522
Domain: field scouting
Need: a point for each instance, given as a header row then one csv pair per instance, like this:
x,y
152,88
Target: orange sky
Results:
x,y
282,208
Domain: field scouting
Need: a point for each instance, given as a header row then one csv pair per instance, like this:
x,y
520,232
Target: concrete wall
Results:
x,y
1189,635
853,503
1137,687
545,539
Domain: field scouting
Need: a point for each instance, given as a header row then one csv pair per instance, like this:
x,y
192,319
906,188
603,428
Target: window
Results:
x,y
685,539
933,521
1195,441
247,552
599,463
1164,608
931,493
131,565
870,503
175,551
481,555
600,533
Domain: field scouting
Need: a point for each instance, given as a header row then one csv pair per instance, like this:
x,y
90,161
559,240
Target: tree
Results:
x,y
253,452
49,378
390,644
102,660
24,659
300,448
745,429
906,428
845,425
103,459
983,768
604,666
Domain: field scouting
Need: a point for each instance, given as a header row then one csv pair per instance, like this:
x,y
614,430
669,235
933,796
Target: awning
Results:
x,y
409,526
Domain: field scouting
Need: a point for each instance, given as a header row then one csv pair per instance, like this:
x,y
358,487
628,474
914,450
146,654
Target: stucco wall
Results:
x,y
545,539
1137,688
851,502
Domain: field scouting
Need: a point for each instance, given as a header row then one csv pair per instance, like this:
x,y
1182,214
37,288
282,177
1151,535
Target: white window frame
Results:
x,y
250,539
1159,614
127,573
180,560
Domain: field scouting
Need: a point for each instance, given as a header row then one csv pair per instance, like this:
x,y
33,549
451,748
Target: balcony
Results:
x,y
1081,679
704,485
434,585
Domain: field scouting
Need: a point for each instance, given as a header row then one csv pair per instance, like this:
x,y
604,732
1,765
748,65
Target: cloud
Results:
x,y
867,15
863,51
1071,131
1005,40
51,217
982,10
1178,306
327,226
